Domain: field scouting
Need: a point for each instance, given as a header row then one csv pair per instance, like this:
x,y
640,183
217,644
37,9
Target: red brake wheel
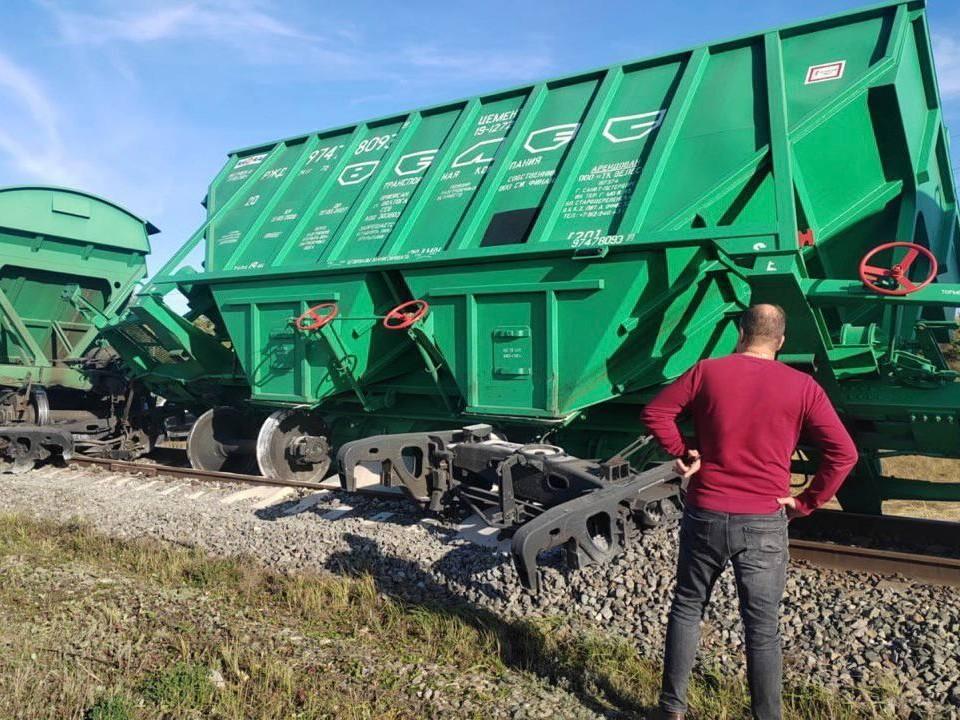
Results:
x,y
406,314
312,318
894,280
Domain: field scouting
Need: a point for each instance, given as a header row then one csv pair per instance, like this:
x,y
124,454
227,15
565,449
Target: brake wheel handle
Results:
x,y
406,314
314,318
879,279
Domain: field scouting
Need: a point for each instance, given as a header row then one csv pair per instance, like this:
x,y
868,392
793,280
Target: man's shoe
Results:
x,y
667,715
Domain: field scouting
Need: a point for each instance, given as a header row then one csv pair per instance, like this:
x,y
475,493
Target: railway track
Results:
x,y
155,470
189,473
830,539
925,550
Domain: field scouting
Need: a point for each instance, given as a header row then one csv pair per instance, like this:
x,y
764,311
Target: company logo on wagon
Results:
x,y
826,71
620,129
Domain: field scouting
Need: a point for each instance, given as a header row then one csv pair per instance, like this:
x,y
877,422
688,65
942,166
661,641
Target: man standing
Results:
x,y
748,412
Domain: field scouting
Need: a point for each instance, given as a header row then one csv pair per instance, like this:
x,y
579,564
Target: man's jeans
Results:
x,y
757,547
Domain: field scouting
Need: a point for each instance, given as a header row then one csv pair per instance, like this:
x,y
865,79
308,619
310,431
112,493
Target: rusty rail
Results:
x,y
875,543
926,568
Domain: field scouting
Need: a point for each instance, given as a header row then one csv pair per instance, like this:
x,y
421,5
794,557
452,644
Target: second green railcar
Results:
x,y
67,259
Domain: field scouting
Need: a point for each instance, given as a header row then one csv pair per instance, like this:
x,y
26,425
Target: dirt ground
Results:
x,y
923,468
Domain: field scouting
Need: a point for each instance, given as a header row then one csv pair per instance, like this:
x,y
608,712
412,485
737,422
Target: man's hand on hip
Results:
x,y
687,466
790,505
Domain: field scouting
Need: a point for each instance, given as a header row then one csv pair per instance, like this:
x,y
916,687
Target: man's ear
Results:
x,y
739,339
783,339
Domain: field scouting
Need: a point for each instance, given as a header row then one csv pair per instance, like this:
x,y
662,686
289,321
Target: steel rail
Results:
x,y
929,569
156,469
850,541
152,470
828,554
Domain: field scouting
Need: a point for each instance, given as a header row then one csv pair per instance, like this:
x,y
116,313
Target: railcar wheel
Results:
x,y
41,406
292,446
222,440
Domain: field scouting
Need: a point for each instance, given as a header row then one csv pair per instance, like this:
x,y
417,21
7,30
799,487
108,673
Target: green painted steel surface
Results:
x,y
181,360
67,258
583,240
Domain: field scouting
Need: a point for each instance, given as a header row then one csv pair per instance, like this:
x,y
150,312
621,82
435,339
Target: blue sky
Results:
x,y
141,100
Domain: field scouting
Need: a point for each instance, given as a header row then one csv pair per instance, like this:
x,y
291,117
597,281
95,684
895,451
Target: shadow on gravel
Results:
x,y
539,647
459,565
393,512
406,580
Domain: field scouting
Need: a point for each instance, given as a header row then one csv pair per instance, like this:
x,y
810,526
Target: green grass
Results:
x,y
115,707
184,686
102,629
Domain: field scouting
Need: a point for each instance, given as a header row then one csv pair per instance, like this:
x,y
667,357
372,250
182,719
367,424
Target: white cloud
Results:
x,y
946,51
153,25
256,34
30,135
202,18
24,88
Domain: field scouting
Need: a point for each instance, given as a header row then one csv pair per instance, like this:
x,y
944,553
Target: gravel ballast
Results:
x,y
850,631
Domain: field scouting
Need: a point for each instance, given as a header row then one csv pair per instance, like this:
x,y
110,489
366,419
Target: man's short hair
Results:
x,y
764,323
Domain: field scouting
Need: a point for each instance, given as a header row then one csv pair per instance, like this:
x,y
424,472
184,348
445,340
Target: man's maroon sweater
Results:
x,y
748,414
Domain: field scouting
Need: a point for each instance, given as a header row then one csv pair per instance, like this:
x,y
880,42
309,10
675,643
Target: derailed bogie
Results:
x,y
537,493
22,446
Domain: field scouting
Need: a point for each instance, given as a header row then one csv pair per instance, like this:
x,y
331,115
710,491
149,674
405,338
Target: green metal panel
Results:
x,y
288,366
73,215
172,356
583,240
67,257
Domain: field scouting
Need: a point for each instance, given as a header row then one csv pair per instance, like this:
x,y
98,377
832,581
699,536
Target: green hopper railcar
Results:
x,y
67,259
536,263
